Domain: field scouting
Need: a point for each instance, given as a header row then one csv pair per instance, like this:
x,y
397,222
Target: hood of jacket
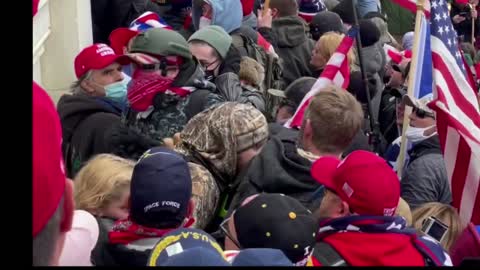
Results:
x,y
290,31
73,109
225,13
250,21
279,168
374,58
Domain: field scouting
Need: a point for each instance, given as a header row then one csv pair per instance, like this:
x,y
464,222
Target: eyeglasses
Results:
x,y
422,113
206,66
224,229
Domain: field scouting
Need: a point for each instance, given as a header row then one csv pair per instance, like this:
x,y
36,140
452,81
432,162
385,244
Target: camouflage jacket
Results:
x,y
205,194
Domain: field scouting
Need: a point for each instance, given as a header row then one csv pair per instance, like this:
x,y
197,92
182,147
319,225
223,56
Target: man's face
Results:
x,y
206,56
396,77
421,119
99,78
330,207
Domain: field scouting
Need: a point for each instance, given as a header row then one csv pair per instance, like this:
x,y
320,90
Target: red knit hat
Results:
x,y
48,182
247,6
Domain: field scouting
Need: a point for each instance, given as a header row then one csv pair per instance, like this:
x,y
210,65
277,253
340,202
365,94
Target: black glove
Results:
x,y
231,63
129,143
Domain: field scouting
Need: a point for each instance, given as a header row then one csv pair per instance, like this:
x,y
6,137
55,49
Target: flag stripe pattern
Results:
x,y
336,72
412,5
458,116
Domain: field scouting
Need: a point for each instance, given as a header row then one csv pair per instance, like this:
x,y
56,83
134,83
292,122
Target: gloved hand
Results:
x,y
129,143
231,63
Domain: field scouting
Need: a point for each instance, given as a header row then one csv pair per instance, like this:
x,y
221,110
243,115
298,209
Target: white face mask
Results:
x,y
415,134
204,21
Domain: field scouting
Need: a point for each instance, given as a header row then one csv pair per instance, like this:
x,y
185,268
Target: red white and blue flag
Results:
x,y
458,116
336,72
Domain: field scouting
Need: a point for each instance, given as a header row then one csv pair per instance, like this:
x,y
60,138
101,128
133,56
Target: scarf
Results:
x,y
145,85
431,250
127,231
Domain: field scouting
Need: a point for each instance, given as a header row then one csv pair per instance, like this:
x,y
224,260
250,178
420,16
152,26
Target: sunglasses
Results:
x,y
226,231
422,113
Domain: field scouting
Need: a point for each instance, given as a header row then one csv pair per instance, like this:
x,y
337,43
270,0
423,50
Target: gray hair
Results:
x,y
76,87
44,243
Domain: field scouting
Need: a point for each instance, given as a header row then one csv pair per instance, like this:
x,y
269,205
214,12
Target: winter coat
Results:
x,y
387,117
291,42
108,15
279,168
425,178
464,28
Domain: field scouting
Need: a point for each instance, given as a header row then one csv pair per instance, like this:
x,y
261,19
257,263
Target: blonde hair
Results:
x,y
334,111
446,214
403,210
102,180
328,44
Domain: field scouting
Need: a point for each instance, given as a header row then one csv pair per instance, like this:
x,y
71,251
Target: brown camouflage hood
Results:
x,y
221,132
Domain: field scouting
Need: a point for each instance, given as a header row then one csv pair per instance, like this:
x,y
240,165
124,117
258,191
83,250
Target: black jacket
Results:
x,y
91,126
387,117
108,15
279,169
291,42
464,28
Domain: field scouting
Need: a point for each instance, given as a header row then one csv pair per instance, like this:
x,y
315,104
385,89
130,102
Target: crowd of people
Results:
x,y
171,150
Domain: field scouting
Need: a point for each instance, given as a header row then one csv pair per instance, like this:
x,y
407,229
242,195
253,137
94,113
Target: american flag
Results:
x,y
412,5
458,117
336,72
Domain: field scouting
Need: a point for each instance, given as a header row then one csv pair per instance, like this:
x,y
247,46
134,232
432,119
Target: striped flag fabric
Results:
x,y
458,116
336,72
412,5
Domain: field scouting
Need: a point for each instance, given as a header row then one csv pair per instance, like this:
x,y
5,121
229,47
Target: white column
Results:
x,y
70,31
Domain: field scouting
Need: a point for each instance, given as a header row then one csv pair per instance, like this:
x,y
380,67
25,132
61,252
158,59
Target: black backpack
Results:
x,y
273,70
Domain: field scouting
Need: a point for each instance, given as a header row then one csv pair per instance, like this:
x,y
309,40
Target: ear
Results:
x,y
344,209
274,12
68,207
88,86
190,208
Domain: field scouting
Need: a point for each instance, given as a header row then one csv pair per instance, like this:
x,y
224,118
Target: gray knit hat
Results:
x,y
216,37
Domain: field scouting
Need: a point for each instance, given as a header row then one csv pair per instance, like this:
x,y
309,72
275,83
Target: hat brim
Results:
x,y
323,171
120,37
277,93
410,101
398,92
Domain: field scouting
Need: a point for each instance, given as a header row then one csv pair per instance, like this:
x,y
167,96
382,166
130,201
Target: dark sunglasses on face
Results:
x,y
422,113
226,231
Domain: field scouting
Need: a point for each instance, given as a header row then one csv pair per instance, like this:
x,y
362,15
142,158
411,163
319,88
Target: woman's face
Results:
x,y
117,209
318,61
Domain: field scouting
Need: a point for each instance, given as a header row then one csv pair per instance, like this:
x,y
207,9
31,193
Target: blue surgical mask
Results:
x,y
118,91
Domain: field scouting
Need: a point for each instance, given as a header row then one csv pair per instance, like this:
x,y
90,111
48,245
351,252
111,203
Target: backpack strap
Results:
x,y
326,255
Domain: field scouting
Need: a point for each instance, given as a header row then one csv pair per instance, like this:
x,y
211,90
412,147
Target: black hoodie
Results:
x,y
85,121
279,169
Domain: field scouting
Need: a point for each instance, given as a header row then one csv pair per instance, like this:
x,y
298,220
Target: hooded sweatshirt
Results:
x,y
293,46
225,13
279,168
85,121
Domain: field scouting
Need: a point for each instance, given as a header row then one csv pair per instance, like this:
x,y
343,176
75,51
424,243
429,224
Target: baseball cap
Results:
x,y
363,180
419,103
121,36
161,42
295,91
48,180
261,257
97,56
187,247
161,189
276,221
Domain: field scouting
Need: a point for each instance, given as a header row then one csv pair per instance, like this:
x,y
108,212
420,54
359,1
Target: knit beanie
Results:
x,y
161,42
308,8
251,71
345,11
324,22
369,33
247,7
297,90
216,37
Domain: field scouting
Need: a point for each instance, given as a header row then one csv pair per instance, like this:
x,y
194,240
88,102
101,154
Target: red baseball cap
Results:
x,y
48,172
363,180
97,56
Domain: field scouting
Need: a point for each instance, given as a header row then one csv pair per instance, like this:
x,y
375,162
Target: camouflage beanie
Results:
x,y
223,131
216,37
159,41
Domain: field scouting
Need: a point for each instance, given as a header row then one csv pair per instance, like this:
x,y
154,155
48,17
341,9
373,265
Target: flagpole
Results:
x,y
411,81
374,125
473,7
